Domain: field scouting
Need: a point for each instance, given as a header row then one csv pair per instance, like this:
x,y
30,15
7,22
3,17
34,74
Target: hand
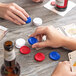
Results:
x,y
37,1
13,12
53,38
63,69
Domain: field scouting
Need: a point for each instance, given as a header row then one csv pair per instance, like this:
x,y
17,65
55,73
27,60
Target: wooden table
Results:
x,y
30,67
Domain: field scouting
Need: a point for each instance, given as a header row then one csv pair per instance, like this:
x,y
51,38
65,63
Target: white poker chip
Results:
x,y
37,21
44,38
20,42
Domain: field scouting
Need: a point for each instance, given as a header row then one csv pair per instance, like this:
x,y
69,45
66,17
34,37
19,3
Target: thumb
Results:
x,y
40,45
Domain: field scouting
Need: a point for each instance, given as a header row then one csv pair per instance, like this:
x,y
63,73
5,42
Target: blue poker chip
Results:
x,y
32,40
54,55
28,20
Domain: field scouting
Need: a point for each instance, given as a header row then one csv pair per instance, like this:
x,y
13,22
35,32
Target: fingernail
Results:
x,y
25,19
28,16
23,22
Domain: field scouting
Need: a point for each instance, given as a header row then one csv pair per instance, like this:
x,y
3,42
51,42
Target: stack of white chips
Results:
x,y
44,38
20,42
37,21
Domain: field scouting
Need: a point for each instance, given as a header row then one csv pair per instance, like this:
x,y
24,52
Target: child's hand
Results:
x,y
13,12
63,69
54,38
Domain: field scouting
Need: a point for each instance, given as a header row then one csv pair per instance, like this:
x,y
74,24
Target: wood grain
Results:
x,y
30,67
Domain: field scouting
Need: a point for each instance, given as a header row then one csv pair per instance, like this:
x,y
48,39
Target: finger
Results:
x,y
12,20
39,37
36,0
60,62
16,18
39,31
40,45
66,62
20,14
22,10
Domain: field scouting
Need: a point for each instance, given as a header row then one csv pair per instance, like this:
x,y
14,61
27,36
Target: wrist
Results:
x,y
2,4
69,43
65,41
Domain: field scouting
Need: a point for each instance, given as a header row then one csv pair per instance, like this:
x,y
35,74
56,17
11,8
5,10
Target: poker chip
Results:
x,y
37,21
39,57
54,55
25,50
53,3
28,20
20,42
44,38
32,40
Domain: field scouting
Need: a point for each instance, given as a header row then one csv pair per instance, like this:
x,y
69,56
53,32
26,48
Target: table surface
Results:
x,y
30,67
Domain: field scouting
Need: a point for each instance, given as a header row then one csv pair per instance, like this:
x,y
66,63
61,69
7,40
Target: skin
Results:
x,y
54,38
13,13
37,1
63,69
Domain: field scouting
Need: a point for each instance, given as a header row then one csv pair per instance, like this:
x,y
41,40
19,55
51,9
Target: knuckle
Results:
x,y
10,7
59,63
65,62
47,28
13,4
38,45
23,10
38,28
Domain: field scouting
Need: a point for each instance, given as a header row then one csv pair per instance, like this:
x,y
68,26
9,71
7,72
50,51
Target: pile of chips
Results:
x,y
20,43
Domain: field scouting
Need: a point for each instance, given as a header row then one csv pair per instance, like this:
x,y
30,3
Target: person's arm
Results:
x,y
70,43
54,39
13,12
63,69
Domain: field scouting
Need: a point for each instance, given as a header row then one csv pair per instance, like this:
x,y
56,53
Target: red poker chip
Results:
x,y
53,3
39,57
25,50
